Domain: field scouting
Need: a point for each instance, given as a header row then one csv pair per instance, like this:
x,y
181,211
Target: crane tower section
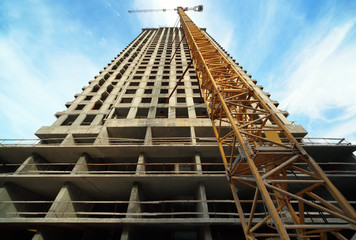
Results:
x,y
261,156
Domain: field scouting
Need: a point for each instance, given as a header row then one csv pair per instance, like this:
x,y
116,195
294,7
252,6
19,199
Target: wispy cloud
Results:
x,y
321,84
35,75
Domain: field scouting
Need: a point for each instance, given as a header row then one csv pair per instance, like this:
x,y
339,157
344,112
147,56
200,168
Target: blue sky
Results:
x,y
302,52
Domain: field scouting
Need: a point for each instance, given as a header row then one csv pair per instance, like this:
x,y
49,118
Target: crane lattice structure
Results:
x,y
260,154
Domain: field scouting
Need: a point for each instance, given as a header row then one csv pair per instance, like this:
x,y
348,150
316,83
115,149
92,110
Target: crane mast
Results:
x,y
260,154
261,157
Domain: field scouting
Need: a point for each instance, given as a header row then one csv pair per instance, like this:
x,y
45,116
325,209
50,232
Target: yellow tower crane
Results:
x,y
260,154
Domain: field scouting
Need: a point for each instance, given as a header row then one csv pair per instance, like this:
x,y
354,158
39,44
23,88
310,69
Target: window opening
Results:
x,y
70,119
88,120
142,113
162,113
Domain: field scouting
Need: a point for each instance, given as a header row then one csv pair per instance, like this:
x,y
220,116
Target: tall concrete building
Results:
x,y
126,160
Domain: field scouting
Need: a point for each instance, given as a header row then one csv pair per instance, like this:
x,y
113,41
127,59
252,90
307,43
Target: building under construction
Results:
x,y
148,151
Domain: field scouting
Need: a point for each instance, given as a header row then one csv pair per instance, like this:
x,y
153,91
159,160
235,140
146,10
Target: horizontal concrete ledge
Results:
x,y
17,154
119,186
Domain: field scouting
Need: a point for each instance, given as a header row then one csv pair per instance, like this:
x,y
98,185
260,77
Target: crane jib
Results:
x,y
260,153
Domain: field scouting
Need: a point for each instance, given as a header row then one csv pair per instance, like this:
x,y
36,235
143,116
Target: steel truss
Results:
x,y
261,156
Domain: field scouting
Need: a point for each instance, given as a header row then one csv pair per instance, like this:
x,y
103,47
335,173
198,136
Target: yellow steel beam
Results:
x,y
256,147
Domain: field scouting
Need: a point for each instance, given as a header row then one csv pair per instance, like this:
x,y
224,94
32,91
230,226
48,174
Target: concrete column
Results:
x,y
193,136
29,165
81,165
176,168
132,208
198,167
6,208
38,236
60,120
140,169
68,140
148,137
132,113
63,204
97,120
14,192
103,137
203,207
78,120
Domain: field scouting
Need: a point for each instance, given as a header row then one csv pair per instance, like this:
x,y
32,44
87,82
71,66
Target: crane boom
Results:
x,y
198,8
260,154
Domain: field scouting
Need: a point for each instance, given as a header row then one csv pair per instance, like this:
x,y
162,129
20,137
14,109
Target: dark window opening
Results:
x,y
162,100
97,105
121,113
126,100
88,120
134,84
109,88
163,91
181,100
101,82
162,113
104,96
148,91
198,100
142,113
95,88
196,91
84,138
87,98
70,119
201,113
180,91
80,107
146,100
130,91
150,83
182,113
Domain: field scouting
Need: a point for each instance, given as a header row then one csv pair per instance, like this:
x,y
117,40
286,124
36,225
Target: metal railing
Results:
x,y
325,141
106,141
119,209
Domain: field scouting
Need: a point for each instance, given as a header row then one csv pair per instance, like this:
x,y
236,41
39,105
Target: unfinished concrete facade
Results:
x,y
123,163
